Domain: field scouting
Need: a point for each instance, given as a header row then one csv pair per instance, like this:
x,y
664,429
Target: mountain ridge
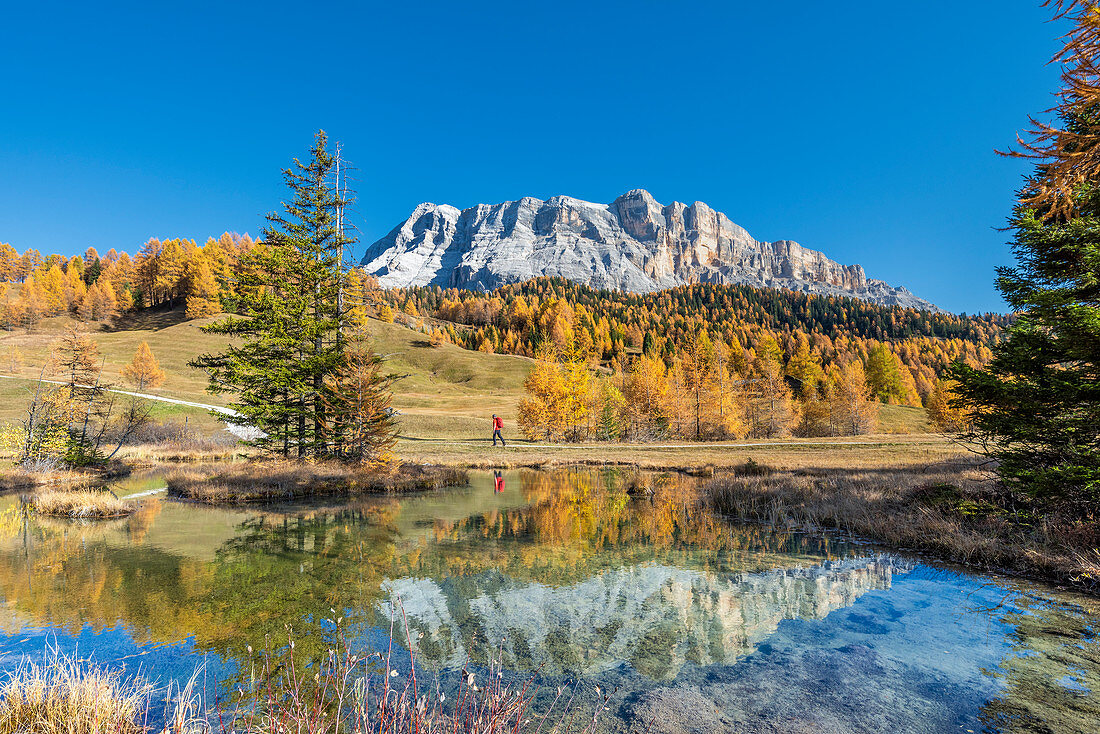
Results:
x,y
633,244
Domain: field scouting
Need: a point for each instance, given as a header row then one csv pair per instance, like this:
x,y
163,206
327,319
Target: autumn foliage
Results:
x,y
698,362
702,362
91,287
144,371
904,351
704,395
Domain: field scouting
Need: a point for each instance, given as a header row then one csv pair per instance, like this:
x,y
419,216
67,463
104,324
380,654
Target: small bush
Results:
x,y
753,469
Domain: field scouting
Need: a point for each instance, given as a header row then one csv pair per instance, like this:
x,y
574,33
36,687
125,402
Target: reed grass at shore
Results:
x,y
345,692
953,511
18,477
80,504
273,481
61,696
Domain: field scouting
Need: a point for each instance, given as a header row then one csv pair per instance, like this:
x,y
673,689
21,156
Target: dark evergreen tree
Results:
x,y
92,272
290,334
1036,406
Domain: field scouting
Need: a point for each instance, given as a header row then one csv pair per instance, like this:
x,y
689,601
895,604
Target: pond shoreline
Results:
x,y
944,510
17,477
948,514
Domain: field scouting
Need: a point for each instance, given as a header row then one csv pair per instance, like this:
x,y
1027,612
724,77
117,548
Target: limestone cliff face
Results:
x,y
633,244
658,618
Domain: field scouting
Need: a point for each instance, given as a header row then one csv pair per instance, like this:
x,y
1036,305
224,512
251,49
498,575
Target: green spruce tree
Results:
x,y
1036,406
290,340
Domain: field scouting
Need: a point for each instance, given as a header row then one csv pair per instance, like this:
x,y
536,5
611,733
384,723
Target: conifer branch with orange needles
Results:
x,y
1068,156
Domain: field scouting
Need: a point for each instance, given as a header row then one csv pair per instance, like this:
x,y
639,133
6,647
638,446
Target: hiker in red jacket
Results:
x,y
498,424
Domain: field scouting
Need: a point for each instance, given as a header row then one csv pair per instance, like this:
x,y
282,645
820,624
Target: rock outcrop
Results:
x,y
633,244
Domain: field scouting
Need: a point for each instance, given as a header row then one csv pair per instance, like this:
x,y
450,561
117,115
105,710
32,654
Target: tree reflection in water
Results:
x,y
229,578
573,575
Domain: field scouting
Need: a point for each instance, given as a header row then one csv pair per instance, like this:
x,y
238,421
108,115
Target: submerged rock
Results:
x,y
677,710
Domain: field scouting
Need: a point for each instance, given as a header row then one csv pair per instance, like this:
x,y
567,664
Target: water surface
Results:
x,y
696,623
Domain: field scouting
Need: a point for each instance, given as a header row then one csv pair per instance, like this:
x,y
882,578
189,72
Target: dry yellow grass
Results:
x,y
173,453
952,510
173,340
80,503
18,477
274,481
869,452
61,697
445,390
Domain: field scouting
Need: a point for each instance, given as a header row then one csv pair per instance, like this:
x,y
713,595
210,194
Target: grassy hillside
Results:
x,y
902,419
444,390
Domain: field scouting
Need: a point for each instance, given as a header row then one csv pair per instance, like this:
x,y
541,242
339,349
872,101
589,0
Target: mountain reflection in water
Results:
x,y
564,565
677,608
654,617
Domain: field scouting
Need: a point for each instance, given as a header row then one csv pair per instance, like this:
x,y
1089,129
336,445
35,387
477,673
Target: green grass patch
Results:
x,y
903,419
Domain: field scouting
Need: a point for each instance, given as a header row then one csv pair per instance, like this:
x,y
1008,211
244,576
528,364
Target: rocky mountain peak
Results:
x,y
640,214
633,244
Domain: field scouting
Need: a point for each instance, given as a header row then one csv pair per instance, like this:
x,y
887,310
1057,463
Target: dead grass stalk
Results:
x,y
59,696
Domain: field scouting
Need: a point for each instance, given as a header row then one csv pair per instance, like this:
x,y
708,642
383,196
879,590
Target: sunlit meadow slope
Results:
x,y
444,397
444,390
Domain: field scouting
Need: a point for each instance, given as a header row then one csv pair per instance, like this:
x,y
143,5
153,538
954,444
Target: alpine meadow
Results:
x,y
401,406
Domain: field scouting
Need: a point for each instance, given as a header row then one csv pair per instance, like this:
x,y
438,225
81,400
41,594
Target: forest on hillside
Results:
x,y
204,279
811,332
731,338
705,361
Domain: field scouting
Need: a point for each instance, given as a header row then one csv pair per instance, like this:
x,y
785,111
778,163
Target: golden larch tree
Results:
x,y
578,389
774,405
851,403
203,292
943,414
360,420
543,411
1068,155
144,371
645,391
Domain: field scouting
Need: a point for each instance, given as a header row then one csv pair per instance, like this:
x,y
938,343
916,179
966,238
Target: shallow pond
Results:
x,y
695,623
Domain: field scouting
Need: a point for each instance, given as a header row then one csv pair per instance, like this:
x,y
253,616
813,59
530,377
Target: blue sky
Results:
x,y
863,129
